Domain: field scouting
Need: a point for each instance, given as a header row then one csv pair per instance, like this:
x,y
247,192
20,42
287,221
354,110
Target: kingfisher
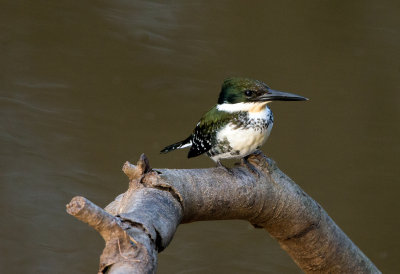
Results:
x,y
238,124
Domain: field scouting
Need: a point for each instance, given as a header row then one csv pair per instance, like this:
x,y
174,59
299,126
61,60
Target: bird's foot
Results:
x,y
250,166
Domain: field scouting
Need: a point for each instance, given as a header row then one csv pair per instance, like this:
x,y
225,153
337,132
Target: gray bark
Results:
x,y
142,221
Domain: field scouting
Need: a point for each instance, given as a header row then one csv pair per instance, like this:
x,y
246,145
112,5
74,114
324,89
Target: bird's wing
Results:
x,y
205,132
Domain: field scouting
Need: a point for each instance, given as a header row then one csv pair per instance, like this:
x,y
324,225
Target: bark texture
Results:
x,y
142,221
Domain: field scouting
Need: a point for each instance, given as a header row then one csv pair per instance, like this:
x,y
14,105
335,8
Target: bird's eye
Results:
x,y
248,92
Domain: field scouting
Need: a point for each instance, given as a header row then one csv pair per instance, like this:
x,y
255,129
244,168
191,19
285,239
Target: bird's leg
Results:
x,y
250,166
220,165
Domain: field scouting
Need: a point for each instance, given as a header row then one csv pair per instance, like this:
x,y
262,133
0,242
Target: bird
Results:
x,y
238,124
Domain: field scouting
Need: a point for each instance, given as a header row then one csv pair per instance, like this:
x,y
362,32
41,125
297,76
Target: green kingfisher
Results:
x,y
238,124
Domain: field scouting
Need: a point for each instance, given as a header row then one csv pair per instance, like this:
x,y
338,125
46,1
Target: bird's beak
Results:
x,y
275,95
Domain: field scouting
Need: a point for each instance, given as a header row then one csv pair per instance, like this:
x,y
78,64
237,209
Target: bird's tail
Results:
x,y
182,144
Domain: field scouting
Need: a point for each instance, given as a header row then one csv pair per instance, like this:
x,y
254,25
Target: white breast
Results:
x,y
245,140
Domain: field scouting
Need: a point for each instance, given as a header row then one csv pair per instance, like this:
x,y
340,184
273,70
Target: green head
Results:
x,y
244,90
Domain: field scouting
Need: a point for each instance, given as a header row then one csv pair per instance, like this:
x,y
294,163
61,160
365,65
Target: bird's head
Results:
x,y
244,90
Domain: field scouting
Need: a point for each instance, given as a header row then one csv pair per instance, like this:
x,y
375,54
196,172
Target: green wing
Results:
x,y
205,132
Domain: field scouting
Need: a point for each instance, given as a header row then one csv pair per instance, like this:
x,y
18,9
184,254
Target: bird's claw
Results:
x,y
250,166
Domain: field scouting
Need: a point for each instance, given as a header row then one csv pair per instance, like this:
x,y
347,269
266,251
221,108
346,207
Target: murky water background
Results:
x,y
85,86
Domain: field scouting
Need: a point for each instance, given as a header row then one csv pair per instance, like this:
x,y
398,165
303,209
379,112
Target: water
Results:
x,y
86,86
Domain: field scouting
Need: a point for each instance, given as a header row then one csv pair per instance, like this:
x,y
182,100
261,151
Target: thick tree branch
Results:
x,y
157,201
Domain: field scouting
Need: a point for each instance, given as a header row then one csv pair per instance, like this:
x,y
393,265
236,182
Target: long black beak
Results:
x,y
274,95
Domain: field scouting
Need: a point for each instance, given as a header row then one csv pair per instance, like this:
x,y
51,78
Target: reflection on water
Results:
x,y
86,86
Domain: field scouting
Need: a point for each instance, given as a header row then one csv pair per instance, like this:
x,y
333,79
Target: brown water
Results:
x,y
85,86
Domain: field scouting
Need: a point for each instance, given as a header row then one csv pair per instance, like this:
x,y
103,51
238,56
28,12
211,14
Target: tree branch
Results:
x,y
157,201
